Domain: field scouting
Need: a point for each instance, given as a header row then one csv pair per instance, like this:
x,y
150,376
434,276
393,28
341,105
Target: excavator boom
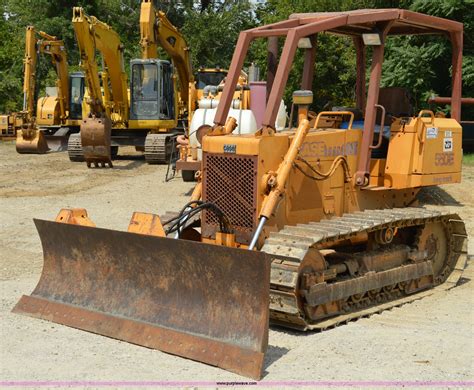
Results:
x,y
156,30
174,44
30,139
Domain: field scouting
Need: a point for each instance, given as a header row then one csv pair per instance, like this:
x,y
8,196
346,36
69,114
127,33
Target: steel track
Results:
x,y
157,148
289,246
74,148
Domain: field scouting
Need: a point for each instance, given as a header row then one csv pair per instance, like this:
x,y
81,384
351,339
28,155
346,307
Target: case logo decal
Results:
x,y
448,145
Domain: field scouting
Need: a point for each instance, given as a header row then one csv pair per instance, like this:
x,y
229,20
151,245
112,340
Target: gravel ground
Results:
x,y
427,340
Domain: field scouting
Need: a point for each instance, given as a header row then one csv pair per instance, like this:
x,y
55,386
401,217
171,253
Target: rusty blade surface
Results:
x,y
204,302
31,141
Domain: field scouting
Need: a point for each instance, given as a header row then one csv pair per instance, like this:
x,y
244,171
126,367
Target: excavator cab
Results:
x,y
76,94
152,90
209,76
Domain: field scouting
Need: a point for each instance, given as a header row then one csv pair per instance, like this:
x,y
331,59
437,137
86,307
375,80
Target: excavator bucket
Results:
x,y
95,139
204,302
31,141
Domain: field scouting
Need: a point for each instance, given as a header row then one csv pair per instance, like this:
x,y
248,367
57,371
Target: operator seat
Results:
x,y
397,102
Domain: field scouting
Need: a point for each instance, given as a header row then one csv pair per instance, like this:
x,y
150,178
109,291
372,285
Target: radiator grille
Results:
x,y
230,181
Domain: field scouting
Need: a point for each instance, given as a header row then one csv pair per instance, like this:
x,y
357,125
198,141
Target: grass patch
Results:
x,y
468,159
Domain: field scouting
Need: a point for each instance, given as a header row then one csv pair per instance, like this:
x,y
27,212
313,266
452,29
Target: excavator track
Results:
x,y
157,148
303,299
74,148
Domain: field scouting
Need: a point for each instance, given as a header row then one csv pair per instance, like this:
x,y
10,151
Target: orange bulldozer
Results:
x,y
307,228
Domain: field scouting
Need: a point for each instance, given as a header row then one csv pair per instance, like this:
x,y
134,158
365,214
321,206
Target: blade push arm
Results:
x,y
277,183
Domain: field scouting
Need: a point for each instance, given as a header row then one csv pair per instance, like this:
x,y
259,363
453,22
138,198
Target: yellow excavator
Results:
x,y
45,124
162,111
307,228
154,111
9,124
108,101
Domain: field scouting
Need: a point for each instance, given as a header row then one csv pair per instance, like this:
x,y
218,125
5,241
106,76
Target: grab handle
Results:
x,y
382,123
423,112
421,134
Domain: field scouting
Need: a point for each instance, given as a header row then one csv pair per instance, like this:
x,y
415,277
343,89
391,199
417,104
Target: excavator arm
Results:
x,y
30,139
55,48
112,109
29,77
147,30
82,26
156,30
93,34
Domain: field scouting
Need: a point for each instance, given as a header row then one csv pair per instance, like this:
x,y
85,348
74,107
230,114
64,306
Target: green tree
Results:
x,y
423,63
419,63
54,17
211,30
11,56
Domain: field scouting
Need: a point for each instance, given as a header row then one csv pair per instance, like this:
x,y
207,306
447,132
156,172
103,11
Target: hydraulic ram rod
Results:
x,y
278,185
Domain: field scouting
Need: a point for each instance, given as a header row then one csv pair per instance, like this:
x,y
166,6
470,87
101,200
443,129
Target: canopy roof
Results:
x,y
391,21
362,21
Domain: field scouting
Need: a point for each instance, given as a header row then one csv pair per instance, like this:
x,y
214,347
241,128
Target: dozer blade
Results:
x,y
204,302
96,139
31,141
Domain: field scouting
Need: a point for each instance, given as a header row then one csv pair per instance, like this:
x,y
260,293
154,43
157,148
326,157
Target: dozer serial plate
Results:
x,y
204,302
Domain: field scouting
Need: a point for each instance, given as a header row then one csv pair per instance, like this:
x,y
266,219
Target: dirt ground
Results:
x,y
429,340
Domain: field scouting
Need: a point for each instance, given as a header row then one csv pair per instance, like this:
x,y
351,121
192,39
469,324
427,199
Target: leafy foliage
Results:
x,y
423,63
211,27
212,32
